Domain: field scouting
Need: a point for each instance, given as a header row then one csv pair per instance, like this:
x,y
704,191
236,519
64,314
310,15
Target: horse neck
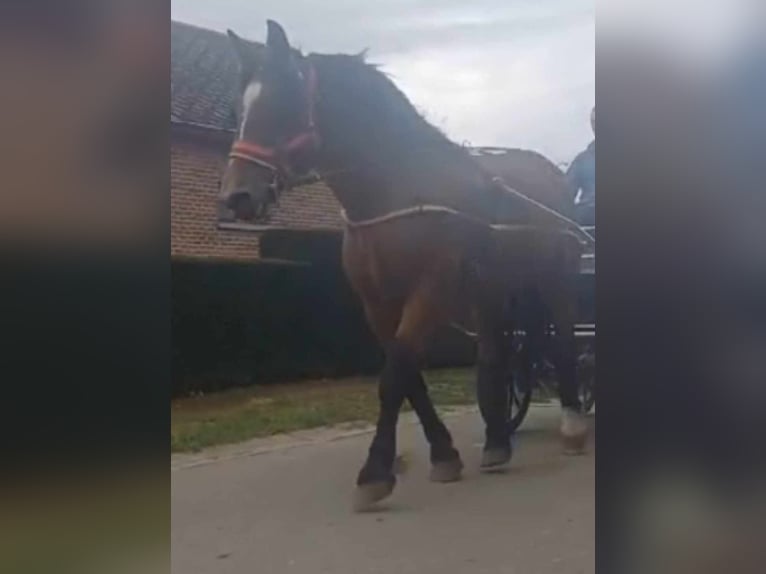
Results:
x,y
378,160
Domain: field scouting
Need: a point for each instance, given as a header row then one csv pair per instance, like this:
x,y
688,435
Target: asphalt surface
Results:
x,y
285,505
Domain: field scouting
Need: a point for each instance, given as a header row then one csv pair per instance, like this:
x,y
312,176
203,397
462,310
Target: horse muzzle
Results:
x,y
245,206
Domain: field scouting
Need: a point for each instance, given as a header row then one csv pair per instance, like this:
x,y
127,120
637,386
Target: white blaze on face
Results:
x,y
252,92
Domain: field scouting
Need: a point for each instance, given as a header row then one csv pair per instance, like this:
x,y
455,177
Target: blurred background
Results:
x,y
83,148
83,296
680,87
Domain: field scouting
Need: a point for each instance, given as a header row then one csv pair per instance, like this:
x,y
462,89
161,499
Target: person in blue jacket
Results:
x,y
581,176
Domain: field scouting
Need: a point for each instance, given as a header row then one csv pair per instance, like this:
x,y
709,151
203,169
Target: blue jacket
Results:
x,y
581,175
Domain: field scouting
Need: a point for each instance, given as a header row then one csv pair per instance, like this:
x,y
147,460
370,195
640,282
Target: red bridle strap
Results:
x,y
271,157
254,153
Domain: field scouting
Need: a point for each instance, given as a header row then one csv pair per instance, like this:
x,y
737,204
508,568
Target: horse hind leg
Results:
x,y
493,393
574,425
424,310
446,465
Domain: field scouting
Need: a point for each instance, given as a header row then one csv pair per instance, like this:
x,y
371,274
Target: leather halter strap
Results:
x,y
274,158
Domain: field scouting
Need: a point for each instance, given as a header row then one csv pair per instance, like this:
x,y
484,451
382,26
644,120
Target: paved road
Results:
x,y
284,505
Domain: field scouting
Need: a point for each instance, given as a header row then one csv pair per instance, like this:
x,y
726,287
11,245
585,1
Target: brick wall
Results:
x,y
195,174
308,207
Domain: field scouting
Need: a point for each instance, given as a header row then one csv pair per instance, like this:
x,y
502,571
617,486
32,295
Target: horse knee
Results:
x,y
400,356
400,371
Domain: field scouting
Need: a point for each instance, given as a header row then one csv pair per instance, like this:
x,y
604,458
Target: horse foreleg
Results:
x,y
376,479
401,378
384,319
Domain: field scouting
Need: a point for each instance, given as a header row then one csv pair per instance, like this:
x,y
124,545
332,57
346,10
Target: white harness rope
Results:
x,y
429,208
570,222
399,213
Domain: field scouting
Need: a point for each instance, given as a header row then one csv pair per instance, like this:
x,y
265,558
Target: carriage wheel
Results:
x,y
520,397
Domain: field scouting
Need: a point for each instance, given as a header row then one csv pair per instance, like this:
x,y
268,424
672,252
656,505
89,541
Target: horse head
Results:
x,y
276,137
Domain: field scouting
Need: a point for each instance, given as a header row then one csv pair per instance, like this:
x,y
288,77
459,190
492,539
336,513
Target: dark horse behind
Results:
x,y
431,235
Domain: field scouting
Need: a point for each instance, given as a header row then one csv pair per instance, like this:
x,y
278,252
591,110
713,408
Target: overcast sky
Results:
x,y
510,73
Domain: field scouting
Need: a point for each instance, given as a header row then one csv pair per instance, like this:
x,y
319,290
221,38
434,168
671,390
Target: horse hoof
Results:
x,y
495,459
447,470
574,432
574,445
366,495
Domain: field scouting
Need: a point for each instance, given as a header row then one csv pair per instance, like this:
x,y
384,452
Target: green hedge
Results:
x,y
244,324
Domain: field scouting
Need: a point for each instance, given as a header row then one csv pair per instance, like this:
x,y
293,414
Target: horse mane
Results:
x,y
377,93
374,125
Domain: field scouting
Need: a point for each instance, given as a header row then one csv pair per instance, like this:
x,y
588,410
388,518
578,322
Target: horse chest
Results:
x,y
381,267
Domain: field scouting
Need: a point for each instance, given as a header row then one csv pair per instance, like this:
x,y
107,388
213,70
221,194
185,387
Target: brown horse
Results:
x,y
419,243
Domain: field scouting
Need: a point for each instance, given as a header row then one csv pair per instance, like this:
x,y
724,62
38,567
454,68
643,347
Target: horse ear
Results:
x,y
245,52
276,40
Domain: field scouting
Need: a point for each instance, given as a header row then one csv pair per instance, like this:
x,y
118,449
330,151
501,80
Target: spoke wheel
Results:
x,y
519,396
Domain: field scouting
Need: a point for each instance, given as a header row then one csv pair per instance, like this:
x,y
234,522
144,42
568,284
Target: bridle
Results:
x,y
276,159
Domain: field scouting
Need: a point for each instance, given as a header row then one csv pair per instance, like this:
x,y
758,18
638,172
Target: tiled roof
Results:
x,y
203,77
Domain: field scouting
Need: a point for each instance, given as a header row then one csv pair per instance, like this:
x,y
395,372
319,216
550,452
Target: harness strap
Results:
x,y
426,208
573,226
423,209
570,223
418,209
